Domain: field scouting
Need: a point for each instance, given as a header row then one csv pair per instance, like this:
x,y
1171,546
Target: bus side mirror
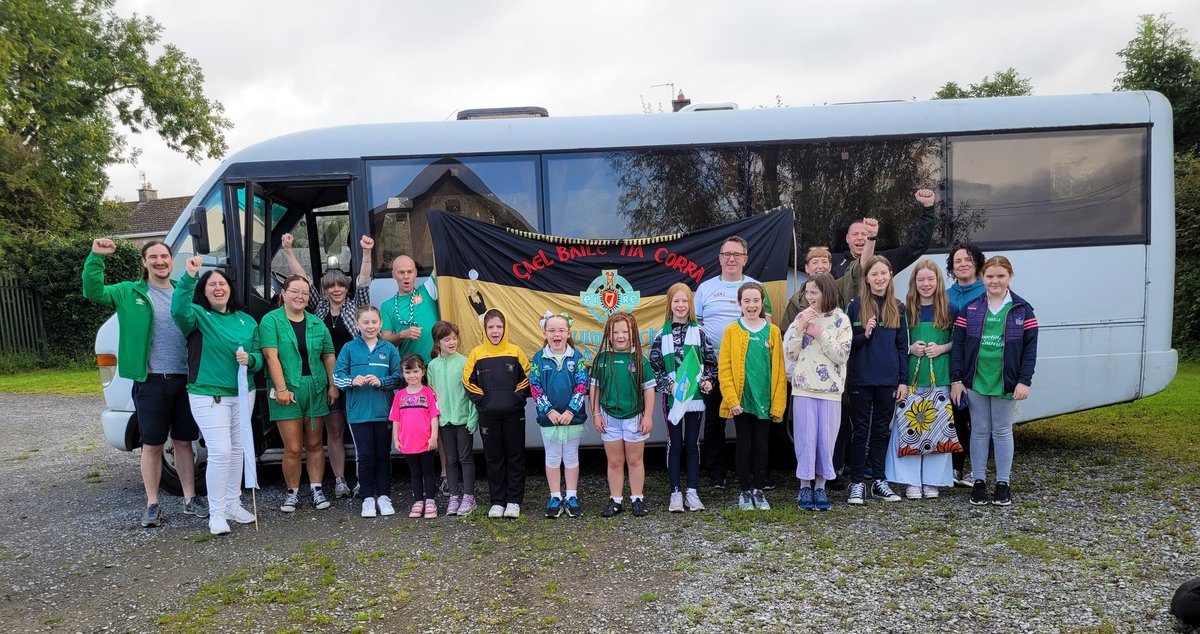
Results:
x,y
198,230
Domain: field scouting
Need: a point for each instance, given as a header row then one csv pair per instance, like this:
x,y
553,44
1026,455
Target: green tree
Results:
x,y
1005,83
1187,254
76,77
1161,58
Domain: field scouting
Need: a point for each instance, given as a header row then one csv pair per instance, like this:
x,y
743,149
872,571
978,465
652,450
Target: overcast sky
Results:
x,y
284,66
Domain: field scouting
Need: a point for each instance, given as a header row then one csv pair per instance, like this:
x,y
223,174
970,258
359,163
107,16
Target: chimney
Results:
x,y
146,193
680,102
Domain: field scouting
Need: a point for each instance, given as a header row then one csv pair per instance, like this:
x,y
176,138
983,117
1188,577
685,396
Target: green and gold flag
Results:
x,y
481,266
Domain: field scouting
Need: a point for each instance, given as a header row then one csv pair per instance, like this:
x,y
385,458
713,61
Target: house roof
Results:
x,y
155,216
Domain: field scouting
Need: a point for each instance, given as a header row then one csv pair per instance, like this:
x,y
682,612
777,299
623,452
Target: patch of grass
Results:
x,y
24,455
202,537
648,597
95,476
1162,426
73,382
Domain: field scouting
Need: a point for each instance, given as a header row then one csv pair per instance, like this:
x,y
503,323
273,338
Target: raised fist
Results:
x,y
103,246
872,225
366,243
286,241
193,265
926,197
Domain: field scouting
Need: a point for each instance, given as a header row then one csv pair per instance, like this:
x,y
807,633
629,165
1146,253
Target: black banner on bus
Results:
x,y
481,266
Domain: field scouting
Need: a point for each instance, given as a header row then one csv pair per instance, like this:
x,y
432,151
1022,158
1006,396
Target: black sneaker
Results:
x,y
769,486
1002,496
979,496
836,484
716,483
614,508
638,505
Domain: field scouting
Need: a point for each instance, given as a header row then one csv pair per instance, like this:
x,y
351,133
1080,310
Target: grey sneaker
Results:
x,y
290,500
195,506
319,499
152,516
760,500
692,501
746,501
676,505
340,490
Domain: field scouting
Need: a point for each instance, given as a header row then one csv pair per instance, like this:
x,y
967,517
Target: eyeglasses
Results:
x,y
297,293
731,255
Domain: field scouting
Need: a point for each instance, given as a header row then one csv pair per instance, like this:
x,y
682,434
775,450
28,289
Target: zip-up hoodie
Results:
x,y
960,295
1020,342
497,376
367,403
135,315
213,340
881,359
558,387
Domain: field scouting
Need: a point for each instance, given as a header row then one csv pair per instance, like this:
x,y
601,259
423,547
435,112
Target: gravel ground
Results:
x,y
1095,542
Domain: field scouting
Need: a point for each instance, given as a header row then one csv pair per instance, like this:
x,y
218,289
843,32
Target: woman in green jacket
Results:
x,y
220,339
298,351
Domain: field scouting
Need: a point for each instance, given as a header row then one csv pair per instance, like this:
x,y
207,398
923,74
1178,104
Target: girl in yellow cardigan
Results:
x,y
753,390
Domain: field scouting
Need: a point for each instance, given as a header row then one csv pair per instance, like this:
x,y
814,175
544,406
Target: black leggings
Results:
x,y
373,451
504,449
751,451
962,426
422,473
871,410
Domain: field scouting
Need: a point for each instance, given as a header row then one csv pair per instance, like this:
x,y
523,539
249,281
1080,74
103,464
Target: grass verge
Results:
x,y
72,382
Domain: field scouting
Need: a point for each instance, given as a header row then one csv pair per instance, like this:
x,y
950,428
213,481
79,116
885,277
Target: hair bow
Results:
x,y
548,315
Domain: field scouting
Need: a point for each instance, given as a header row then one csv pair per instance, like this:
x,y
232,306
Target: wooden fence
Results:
x,y
21,329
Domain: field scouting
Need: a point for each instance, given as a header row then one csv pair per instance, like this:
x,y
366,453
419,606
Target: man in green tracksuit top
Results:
x,y
152,353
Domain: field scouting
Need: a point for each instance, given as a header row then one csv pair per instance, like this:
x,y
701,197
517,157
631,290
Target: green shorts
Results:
x,y
312,401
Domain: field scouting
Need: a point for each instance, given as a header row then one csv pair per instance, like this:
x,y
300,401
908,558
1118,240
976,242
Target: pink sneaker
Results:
x,y
430,509
467,505
418,508
452,506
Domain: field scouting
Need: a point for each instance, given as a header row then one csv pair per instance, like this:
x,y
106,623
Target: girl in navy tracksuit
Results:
x,y
991,364
876,375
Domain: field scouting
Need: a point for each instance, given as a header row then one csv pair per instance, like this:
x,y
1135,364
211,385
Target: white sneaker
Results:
x,y
929,491
368,509
238,513
496,511
512,511
692,501
385,505
676,505
913,492
217,525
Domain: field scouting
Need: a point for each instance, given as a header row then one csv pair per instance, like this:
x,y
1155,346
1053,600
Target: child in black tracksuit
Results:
x,y
876,375
496,377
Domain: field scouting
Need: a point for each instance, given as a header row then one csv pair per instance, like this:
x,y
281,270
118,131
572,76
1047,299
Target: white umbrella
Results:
x,y
249,464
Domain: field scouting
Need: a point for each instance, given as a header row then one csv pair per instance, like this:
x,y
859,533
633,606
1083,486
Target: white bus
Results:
x,y
1076,190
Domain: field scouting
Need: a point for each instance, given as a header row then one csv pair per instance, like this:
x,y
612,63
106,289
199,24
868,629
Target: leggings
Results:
x,y
561,452
221,424
962,425
422,474
373,449
459,444
871,410
683,440
992,421
751,451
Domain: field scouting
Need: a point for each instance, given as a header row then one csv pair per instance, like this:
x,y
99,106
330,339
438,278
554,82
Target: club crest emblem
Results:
x,y
607,294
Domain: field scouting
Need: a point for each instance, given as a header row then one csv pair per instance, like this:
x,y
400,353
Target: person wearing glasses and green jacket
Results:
x,y
298,350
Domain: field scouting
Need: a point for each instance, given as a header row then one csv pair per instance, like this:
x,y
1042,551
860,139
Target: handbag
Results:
x,y
925,421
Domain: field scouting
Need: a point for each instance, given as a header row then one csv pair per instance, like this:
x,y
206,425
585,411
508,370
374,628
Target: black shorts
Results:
x,y
162,408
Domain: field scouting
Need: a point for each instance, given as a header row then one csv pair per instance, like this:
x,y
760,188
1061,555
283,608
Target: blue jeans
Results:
x,y
991,420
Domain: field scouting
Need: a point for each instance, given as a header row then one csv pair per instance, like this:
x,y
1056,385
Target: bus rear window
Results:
x,y
1050,188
